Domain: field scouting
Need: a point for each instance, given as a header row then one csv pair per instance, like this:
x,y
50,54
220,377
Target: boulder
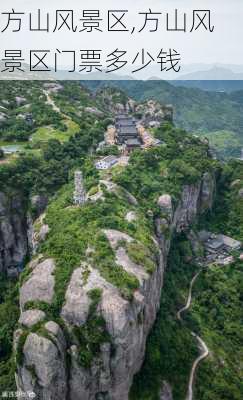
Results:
x,y
236,182
44,370
40,285
20,100
131,216
165,204
31,317
240,193
165,391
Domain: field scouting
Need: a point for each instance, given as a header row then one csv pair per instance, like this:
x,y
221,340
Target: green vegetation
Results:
x,y
73,229
9,313
217,312
64,144
20,347
217,309
44,134
227,215
141,255
49,170
226,144
93,334
104,259
202,112
24,108
166,168
94,190
170,347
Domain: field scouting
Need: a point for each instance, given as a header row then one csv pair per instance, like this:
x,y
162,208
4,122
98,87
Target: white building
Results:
x,y
106,162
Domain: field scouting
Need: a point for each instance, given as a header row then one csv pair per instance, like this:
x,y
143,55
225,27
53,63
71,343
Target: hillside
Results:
x,y
90,290
215,314
123,252
30,114
195,110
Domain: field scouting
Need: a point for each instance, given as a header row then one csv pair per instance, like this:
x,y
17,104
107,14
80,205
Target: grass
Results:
x,y
13,143
93,334
44,134
141,255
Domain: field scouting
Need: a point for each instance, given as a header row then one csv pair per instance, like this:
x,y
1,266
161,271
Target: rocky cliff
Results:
x,y
13,233
15,230
94,346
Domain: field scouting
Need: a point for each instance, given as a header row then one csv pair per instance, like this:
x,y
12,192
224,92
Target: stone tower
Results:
x,y
79,195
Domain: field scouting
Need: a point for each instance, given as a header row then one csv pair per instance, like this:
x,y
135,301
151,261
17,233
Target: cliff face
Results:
x,y
16,230
13,233
50,357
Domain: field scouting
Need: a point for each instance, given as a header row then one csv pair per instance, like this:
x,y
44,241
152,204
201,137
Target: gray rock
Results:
x,y
235,183
39,203
240,193
31,317
3,117
207,192
131,216
165,204
120,191
13,233
40,285
165,392
76,307
44,230
44,370
94,111
128,322
188,207
20,100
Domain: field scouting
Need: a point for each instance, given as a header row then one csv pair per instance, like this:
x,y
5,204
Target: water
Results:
x,y
11,148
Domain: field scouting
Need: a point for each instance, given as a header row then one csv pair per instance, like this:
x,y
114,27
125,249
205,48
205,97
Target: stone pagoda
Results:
x,y
79,195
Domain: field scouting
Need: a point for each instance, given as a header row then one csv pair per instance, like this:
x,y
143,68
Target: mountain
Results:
x,y
215,73
93,295
227,86
194,109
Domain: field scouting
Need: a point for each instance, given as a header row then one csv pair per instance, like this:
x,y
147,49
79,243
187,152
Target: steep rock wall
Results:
x,y
13,233
16,225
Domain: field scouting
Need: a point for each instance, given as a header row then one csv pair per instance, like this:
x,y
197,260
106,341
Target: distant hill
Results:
x,y
215,73
195,109
211,85
198,111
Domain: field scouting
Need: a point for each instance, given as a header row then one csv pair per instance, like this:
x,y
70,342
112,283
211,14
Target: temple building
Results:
x,y
127,132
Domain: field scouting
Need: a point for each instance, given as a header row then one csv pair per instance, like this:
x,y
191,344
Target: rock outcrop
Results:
x,y
17,230
44,372
40,285
165,392
13,233
57,362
